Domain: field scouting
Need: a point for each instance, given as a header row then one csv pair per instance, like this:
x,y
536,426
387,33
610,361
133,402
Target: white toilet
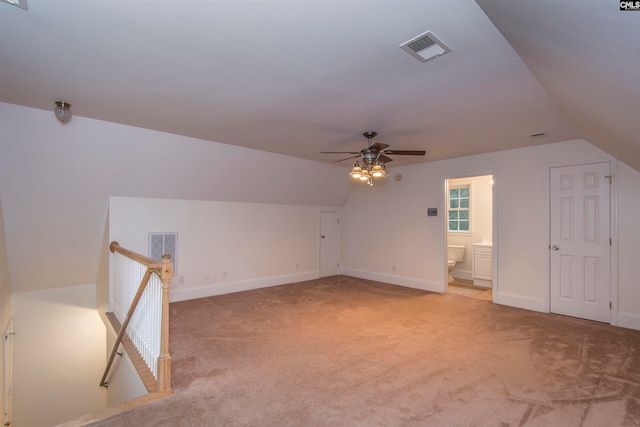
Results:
x,y
455,253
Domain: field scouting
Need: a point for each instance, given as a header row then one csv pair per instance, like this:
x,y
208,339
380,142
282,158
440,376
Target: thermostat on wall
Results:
x,y
432,211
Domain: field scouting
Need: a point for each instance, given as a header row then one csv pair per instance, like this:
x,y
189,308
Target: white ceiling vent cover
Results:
x,y
425,47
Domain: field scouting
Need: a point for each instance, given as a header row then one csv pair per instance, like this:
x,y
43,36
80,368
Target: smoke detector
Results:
x,y
425,47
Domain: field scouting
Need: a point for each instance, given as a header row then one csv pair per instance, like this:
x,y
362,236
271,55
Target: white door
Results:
x,y
329,243
580,244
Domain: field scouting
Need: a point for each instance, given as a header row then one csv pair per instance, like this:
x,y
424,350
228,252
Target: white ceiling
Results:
x,y
300,77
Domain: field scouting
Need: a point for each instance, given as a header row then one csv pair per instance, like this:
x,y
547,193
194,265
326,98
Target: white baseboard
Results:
x,y
519,301
462,274
409,282
183,294
628,320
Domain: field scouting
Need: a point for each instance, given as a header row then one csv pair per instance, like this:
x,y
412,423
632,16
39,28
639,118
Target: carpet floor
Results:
x,y
341,351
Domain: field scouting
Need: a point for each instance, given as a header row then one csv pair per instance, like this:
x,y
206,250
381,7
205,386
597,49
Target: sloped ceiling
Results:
x,y
300,77
586,55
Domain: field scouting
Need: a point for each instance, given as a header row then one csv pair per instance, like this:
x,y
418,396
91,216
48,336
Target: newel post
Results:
x,y
164,360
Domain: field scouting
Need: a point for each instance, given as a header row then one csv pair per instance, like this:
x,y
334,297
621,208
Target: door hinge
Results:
x,y
609,178
610,241
610,306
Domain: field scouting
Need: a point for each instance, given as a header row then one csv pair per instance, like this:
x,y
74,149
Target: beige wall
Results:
x,y
414,243
224,246
60,347
124,381
56,180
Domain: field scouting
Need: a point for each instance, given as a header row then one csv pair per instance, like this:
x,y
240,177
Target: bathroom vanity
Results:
x,y
482,265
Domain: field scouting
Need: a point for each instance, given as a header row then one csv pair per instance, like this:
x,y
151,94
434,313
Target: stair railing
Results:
x,y
145,324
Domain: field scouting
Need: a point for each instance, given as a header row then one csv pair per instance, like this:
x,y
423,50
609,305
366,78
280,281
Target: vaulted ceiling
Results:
x,y
301,77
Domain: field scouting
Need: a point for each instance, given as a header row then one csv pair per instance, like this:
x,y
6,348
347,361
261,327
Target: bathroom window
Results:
x,y
459,208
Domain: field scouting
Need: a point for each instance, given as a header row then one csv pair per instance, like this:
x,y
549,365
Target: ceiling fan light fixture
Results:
x,y
356,172
378,171
373,159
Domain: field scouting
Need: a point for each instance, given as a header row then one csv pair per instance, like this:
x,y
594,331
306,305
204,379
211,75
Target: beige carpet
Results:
x,y
348,352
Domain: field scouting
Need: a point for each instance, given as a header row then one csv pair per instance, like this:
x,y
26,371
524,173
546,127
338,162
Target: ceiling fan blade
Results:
x,y
342,160
384,159
405,152
378,146
339,152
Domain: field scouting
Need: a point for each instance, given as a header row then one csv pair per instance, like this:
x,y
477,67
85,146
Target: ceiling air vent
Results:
x,y
538,134
425,47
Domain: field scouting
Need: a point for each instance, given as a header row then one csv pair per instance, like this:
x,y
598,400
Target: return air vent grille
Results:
x,y
421,44
425,47
164,243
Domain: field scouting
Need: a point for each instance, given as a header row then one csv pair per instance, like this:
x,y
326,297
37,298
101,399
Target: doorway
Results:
x,y
469,232
7,374
580,241
329,244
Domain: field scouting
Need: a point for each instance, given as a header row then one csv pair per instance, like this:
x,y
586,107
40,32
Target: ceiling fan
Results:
x,y
373,158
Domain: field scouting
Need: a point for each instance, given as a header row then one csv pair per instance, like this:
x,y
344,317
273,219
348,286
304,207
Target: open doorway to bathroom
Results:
x,y
469,236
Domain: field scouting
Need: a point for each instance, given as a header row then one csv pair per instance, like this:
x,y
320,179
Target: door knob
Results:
x,y
323,236
555,247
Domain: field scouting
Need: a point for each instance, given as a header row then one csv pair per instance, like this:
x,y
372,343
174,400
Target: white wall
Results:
x,y
5,293
628,246
124,381
482,224
56,180
59,356
224,246
413,242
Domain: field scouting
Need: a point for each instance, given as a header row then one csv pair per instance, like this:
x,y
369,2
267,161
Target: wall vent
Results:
x,y
425,47
538,135
164,243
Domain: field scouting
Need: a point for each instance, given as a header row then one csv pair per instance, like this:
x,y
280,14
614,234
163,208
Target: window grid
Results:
x,y
459,208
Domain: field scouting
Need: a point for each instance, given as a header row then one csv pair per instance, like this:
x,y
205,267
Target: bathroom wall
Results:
x,y
481,221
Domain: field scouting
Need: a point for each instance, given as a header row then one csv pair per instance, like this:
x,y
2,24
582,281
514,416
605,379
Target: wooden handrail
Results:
x,y
165,271
147,262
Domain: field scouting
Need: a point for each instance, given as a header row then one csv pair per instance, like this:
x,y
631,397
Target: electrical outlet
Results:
x,y
393,268
297,266
181,280
207,276
223,274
